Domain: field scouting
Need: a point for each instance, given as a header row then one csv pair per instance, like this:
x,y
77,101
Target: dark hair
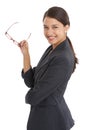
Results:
x,y
61,15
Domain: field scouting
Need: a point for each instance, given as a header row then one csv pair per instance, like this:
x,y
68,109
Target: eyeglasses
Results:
x,y
10,38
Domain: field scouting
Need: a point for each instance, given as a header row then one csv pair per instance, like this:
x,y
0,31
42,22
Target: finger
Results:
x,y
22,43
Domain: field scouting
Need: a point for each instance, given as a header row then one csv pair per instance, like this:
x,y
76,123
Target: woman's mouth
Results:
x,y
51,38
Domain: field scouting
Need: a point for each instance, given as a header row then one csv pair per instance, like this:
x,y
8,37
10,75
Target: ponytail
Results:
x,y
76,59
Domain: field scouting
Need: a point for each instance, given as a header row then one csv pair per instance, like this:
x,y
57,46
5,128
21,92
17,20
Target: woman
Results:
x,y
48,80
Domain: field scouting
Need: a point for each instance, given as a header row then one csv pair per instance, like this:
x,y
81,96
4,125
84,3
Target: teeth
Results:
x,y
50,36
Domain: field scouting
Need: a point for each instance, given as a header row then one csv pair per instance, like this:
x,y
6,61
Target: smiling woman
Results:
x,y
48,80
54,31
13,111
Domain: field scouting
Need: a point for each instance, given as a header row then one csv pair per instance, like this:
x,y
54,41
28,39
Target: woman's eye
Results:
x,y
45,27
55,27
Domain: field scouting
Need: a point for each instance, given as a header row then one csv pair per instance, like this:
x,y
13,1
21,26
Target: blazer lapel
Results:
x,y
44,56
44,59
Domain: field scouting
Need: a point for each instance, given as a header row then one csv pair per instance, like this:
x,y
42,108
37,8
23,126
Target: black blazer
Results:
x,y
47,82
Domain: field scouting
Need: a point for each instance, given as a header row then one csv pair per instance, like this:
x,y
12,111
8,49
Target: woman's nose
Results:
x,y
49,32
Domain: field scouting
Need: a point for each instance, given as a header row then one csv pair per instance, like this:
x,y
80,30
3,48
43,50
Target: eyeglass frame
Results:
x,y
11,38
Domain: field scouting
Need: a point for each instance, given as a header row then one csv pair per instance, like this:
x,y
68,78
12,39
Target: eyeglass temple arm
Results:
x,y
28,37
11,26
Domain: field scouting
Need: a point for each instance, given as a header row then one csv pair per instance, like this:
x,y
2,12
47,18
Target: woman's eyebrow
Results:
x,y
51,25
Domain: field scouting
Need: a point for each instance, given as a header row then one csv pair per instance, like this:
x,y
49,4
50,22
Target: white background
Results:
x,y
13,110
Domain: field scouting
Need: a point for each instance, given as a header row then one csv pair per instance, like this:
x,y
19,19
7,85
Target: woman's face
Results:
x,y
54,31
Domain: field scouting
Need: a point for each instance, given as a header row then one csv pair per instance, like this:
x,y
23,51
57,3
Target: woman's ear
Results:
x,y
66,28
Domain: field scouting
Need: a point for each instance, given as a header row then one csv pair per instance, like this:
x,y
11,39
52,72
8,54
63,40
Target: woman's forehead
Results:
x,y
53,21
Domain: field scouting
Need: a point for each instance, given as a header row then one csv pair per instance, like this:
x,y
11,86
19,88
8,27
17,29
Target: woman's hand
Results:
x,y
24,47
26,56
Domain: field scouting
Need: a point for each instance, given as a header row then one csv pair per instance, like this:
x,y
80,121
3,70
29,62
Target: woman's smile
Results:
x,y
51,38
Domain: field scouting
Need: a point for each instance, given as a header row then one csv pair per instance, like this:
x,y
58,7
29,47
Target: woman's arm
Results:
x,y
26,56
27,71
28,77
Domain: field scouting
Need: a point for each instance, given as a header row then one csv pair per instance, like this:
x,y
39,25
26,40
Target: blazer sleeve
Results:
x,y
56,74
29,77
